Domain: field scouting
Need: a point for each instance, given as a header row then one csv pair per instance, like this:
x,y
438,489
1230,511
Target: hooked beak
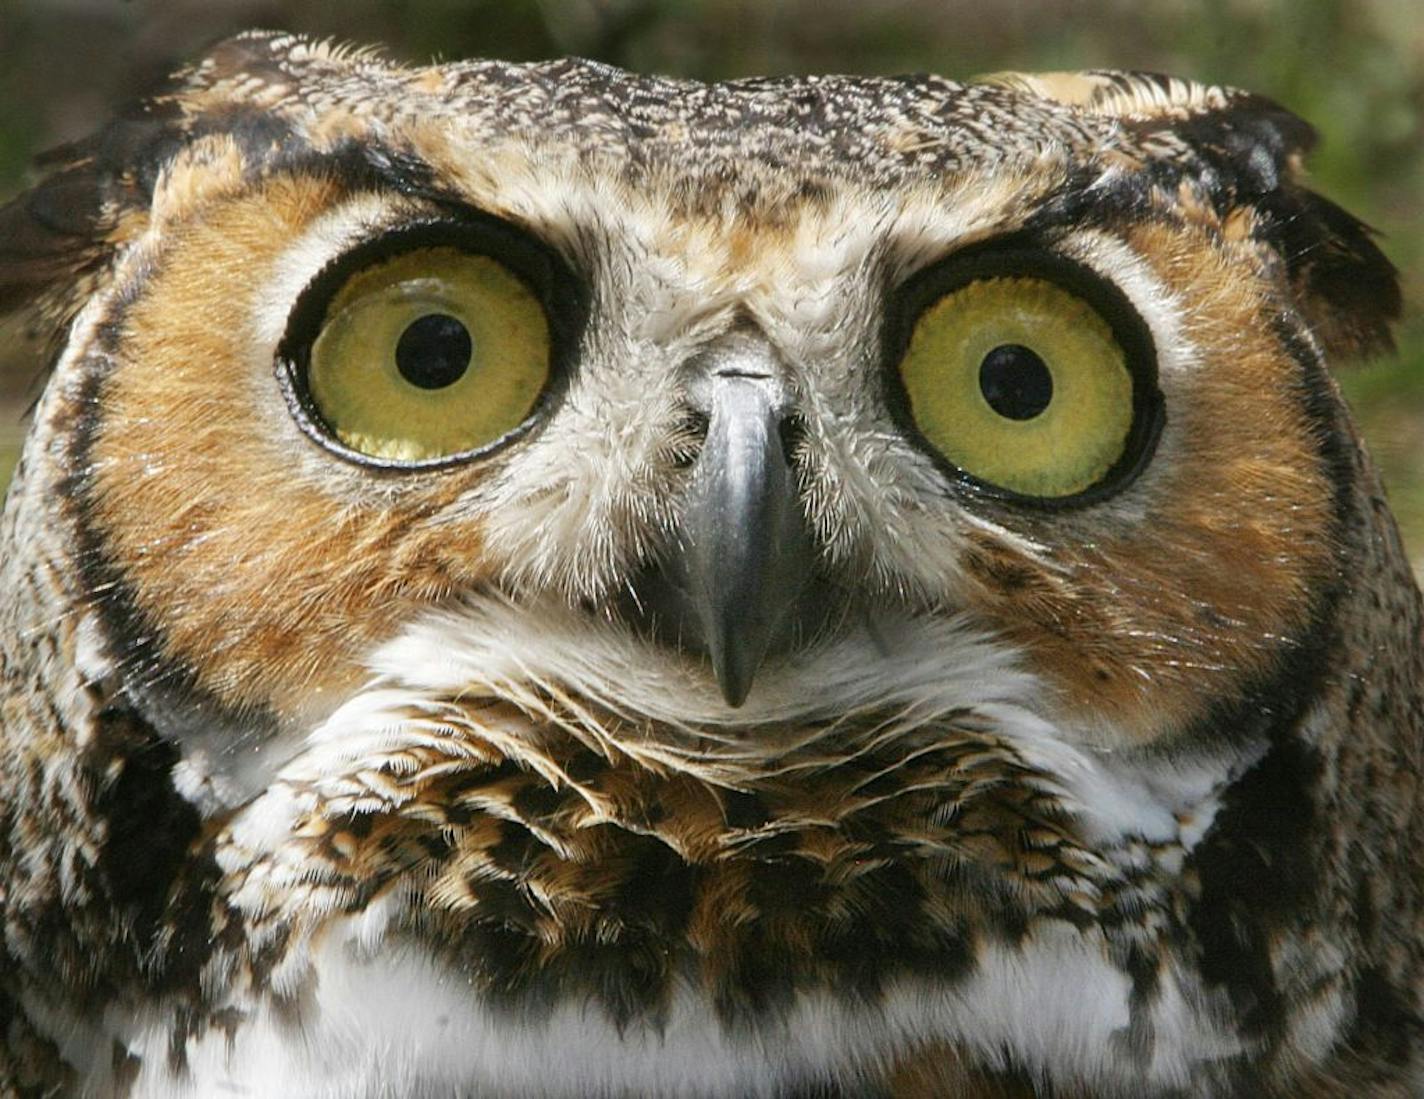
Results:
x,y
744,556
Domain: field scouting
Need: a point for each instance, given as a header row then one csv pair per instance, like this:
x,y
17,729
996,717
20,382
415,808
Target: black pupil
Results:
x,y
1015,382
434,351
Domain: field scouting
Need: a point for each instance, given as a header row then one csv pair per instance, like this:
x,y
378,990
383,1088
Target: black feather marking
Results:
x,y
149,826
1258,870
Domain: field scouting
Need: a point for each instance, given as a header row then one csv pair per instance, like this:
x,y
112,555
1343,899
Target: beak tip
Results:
x,y
735,696
735,683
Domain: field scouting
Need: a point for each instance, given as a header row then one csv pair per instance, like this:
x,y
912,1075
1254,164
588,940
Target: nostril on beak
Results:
x,y
792,432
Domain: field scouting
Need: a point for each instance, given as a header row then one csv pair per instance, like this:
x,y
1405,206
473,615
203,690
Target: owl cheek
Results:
x,y
1060,633
1141,646
268,600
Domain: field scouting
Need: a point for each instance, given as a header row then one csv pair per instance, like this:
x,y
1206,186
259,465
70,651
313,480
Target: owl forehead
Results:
x,y
771,140
868,131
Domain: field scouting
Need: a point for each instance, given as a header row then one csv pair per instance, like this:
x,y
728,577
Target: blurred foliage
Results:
x,y
1354,68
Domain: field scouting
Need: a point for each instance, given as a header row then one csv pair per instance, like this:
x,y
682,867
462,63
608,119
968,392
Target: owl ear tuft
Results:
x,y
1249,150
49,237
92,197
94,194
63,230
1345,287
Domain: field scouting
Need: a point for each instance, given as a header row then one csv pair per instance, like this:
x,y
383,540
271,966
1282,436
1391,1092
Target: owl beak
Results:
x,y
745,556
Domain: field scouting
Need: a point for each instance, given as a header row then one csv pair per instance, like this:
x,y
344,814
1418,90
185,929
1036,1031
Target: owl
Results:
x,y
531,580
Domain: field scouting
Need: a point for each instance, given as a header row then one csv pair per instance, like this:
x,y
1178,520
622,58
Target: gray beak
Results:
x,y
744,556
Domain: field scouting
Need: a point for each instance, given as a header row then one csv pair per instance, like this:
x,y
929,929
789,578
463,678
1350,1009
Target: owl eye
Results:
x,y
412,353
1023,384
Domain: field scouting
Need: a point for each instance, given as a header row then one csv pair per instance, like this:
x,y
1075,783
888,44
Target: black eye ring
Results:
x,y
1017,257
562,294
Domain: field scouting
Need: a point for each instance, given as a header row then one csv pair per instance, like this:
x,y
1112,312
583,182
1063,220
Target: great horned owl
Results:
x,y
528,580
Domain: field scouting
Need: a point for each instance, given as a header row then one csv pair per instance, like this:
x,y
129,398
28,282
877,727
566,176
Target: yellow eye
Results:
x,y
1022,384
430,353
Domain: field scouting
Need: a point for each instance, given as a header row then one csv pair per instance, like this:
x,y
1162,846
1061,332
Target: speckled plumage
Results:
x,y
326,779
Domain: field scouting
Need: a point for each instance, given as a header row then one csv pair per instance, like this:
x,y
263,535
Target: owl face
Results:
x,y
269,497
810,528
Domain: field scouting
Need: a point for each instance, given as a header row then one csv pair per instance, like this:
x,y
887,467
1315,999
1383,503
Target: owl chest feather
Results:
x,y
407,1015
459,891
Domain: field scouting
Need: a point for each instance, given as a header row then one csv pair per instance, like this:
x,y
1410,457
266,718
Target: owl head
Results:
x,y
726,374
927,487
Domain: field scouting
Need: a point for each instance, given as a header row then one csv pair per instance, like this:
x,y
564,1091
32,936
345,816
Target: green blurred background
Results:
x,y
1355,69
